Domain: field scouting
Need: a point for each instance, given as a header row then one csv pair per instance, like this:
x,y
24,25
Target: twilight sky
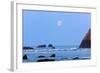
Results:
x,y
57,28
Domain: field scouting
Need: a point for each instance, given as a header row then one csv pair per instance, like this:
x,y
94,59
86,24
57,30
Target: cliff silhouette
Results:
x,y
86,42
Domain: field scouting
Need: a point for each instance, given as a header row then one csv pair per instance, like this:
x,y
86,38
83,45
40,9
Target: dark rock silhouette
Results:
x,y
25,57
51,46
75,58
53,55
41,56
44,60
41,46
86,42
26,48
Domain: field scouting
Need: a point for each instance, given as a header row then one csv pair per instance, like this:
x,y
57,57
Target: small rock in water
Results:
x,y
25,57
41,56
53,55
27,48
75,58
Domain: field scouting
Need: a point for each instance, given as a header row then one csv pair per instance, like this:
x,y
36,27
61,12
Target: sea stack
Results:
x,y
86,42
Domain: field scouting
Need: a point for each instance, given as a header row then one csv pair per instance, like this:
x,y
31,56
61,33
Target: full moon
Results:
x,y
59,23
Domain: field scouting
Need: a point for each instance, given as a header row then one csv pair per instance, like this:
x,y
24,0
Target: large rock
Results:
x,y
86,42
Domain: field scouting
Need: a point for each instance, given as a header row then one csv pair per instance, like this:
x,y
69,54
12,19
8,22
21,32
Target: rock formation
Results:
x,y
51,46
86,42
25,57
41,56
27,48
41,46
53,55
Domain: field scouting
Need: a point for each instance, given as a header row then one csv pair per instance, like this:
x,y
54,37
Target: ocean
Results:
x,y
60,53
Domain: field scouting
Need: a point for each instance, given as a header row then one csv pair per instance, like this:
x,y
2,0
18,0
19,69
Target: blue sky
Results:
x,y
57,28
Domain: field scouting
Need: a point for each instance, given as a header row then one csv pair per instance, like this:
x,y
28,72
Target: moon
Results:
x,y
59,23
